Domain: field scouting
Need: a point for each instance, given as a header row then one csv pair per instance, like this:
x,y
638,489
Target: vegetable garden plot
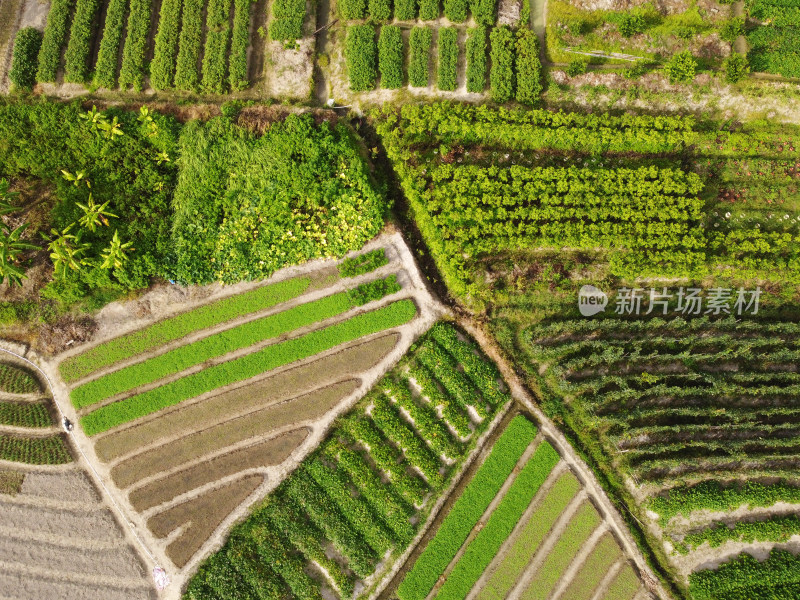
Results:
x,y
336,512
775,43
528,538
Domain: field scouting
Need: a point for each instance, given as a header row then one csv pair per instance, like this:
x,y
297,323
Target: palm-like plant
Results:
x,y
115,255
111,128
5,197
76,178
66,250
146,118
11,247
94,215
94,118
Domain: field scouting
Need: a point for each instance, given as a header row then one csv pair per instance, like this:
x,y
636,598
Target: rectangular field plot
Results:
x,y
354,504
527,530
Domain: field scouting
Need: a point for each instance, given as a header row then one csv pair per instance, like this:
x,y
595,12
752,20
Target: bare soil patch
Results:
x,y
71,487
252,396
27,587
91,524
269,453
182,451
200,517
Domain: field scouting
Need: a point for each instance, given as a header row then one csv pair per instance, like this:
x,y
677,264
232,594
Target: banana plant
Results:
x,y
66,250
115,255
146,118
11,247
6,195
76,178
95,119
94,215
111,128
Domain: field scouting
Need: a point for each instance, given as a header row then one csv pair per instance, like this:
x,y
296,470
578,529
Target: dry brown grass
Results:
x,y
261,423
264,392
11,482
200,516
262,454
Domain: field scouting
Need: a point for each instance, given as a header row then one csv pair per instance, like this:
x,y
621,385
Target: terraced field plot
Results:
x,y
57,538
337,524
197,415
523,527
687,409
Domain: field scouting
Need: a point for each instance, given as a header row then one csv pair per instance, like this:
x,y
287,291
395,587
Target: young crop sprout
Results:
x,y
94,215
114,256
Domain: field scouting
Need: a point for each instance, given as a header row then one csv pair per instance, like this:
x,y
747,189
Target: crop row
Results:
x,y
16,380
420,41
55,36
363,263
24,414
34,451
448,57
162,68
452,411
237,67
105,69
486,544
467,509
217,43
287,20
27,44
173,328
777,528
190,42
713,496
132,71
747,577
76,57
357,497
248,366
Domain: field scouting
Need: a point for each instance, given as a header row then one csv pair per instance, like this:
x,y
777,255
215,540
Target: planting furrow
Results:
x,y
243,368
256,395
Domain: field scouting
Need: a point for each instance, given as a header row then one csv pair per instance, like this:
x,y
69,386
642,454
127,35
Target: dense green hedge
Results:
x,y
162,68
247,366
501,77
428,10
405,10
486,544
24,414
361,55
448,58
307,183
34,451
287,22
190,43
105,70
529,67
476,60
352,9
456,10
132,72
55,36
238,76
467,510
484,11
24,62
778,577
390,57
419,55
380,10
76,58
215,56
173,328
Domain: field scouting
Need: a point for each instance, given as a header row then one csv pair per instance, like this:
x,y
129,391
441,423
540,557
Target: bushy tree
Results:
x,y
681,67
630,24
736,67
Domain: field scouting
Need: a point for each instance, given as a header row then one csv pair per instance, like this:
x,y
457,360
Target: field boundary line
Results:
x,y
29,468
484,518
602,588
30,432
560,443
261,377
294,334
306,297
567,576
560,468
89,543
23,398
547,544
220,291
38,572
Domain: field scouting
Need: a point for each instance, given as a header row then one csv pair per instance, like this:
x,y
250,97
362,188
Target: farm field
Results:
x,y
523,526
773,41
351,509
213,406
57,537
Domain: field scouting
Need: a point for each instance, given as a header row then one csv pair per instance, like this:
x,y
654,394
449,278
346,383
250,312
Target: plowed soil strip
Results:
x,y
201,516
261,393
68,487
26,587
174,454
73,525
268,453
120,562
591,572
